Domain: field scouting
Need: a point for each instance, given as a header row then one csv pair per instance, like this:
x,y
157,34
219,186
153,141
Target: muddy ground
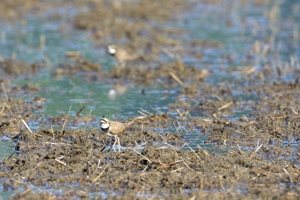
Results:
x,y
259,156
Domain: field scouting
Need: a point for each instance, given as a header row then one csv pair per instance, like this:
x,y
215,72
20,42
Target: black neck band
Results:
x,y
105,130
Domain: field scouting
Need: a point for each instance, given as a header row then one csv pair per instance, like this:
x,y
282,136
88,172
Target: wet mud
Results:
x,y
259,160
253,156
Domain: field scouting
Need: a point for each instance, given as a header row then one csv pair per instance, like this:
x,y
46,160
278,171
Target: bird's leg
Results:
x,y
110,146
113,146
119,145
117,140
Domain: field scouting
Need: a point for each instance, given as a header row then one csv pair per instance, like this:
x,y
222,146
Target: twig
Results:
x,y
179,113
164,139
145,169
161,113
176,78
177,129
180,130
168,52
62,130
175,170
100,173
179,63
288,174
203,150
36,166
225,106
60,162
143,111
187,113
142,155
3,107
219,98
164,86
11,154
193,151
256,150
80,110
26,191
5,93
187,166
26,125
171,146
195,196
60,143
99,161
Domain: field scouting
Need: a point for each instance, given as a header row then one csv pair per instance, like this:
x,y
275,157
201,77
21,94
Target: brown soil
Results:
x,y
262,161
11,68
254,156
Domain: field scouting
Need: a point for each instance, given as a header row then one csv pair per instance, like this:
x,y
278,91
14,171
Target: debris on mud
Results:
x,y
78,66
251,119
253,155
15,68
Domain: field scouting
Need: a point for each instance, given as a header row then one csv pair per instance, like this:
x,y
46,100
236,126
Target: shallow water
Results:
x,y
6,149
205,22
61,93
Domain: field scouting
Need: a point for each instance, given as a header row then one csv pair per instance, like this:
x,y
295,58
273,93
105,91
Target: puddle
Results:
x,y
228,76
7,147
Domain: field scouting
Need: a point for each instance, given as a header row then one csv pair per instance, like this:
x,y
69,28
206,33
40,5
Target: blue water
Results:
x,y
234,27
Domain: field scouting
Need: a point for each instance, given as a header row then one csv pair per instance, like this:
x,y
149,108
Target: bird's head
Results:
x,y
112,50
104,124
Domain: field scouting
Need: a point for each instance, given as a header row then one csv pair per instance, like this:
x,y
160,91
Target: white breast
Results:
x,y
111,50
104,126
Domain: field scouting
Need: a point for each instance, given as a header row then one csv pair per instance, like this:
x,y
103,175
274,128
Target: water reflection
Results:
x,y
61,93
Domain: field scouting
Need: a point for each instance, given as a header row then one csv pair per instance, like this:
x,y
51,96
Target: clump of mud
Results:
x,y
77,66
15,68
249,154
255,155
12,9
169,74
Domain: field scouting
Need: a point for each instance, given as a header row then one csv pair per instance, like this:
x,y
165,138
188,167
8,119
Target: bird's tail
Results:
x,y
136,119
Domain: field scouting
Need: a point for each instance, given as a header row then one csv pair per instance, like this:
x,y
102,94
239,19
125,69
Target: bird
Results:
x,y
121,55
118,89
115,128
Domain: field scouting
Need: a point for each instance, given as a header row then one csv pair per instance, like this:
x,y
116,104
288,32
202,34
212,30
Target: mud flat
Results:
x,y
251,120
